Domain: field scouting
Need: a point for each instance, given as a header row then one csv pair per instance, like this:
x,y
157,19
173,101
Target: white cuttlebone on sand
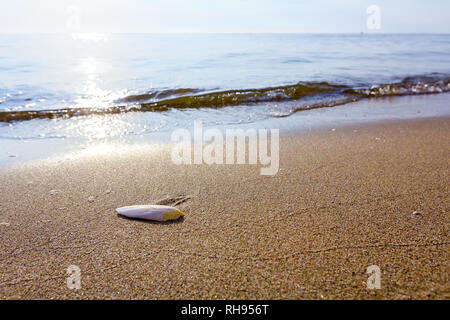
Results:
x,y
150,212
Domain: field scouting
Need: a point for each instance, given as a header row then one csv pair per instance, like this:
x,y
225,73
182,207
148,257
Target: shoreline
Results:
x,y
342,201
366,111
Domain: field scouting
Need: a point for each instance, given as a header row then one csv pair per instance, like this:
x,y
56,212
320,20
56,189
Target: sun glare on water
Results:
x,y
90,72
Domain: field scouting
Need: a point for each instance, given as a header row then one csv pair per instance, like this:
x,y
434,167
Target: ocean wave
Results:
x,y
185,98
408,86
159,95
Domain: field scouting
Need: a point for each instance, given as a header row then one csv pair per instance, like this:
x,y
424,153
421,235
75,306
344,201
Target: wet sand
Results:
x,y
343,200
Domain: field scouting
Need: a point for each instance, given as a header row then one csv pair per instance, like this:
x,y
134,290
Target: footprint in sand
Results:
x,y
173,201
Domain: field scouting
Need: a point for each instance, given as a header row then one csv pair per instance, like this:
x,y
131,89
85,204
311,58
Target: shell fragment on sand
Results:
x,y
150,212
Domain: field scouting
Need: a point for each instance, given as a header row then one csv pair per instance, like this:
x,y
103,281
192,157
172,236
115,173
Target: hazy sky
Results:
x,y
206,16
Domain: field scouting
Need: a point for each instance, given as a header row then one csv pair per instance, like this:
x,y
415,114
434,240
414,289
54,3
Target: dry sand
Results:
x,y
343,200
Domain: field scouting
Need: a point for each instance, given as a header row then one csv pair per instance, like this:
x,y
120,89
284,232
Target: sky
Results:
x,y
224,16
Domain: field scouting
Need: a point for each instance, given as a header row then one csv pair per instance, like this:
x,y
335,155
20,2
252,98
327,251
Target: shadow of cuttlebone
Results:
x,y
179,220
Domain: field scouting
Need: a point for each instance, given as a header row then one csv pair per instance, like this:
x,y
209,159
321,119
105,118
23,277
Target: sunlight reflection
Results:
x,y
98,149
93,92
93,95
89,65
98,127
106,149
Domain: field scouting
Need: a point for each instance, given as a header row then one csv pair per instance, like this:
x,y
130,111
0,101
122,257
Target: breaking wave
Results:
x,y
325,95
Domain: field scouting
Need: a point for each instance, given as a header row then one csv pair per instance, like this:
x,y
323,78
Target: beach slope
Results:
x,y
343,200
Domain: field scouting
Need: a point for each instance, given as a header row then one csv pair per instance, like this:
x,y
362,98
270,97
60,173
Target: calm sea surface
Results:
x,y
46,81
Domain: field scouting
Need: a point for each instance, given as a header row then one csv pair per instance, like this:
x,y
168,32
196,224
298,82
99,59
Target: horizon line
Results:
x,y
229,33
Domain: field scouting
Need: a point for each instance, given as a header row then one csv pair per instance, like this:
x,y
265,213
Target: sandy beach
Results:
x,y
344,199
